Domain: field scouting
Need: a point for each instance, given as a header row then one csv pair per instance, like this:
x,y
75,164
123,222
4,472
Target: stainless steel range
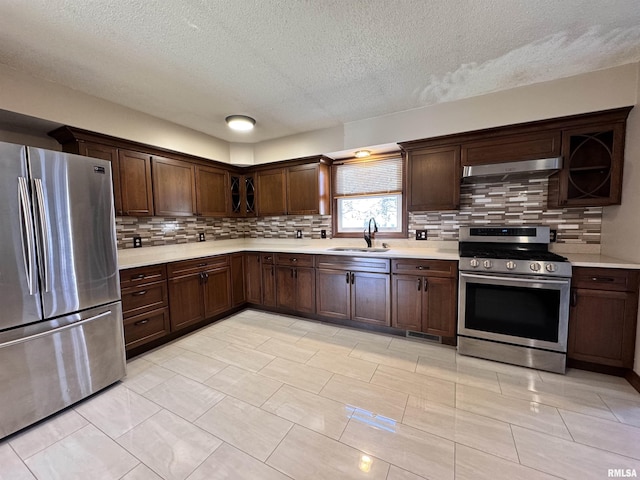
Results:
x,y
513,301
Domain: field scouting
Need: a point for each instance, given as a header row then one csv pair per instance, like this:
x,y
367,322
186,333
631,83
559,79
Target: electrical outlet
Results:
x,y
421,234
553,235
298,233
323,234
201,237
137,241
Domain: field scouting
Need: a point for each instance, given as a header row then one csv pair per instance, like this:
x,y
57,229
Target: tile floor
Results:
x,y
270,397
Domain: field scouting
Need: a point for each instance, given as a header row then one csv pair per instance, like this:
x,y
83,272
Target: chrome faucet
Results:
x,y
368,237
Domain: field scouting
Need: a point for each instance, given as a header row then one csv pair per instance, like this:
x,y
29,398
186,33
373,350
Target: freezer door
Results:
x,y
52,364
75,228
19,295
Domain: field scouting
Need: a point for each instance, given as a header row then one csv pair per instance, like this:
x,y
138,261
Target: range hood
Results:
x,y
522,170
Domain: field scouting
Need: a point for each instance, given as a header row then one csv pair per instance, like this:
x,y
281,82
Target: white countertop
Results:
x,y
139,257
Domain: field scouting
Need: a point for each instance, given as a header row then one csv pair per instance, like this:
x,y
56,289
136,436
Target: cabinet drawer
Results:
x,y
146,327
189,267
267,258
141,275
359,264
294,260
436,268
145,297
615,279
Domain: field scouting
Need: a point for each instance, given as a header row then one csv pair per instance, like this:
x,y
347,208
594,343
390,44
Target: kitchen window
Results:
x,y
365,189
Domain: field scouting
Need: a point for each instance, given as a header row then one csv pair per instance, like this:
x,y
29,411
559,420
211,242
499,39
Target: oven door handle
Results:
x,y
516,279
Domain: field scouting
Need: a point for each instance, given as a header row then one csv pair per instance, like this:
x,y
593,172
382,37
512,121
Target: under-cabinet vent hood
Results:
x,y
500,172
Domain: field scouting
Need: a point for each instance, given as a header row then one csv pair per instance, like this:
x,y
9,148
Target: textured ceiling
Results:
x,y
298,65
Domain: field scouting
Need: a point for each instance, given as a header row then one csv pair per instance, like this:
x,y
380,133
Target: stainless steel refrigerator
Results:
x,y
61,334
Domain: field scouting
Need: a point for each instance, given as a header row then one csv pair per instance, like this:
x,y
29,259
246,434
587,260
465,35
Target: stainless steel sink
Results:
x,y
359,250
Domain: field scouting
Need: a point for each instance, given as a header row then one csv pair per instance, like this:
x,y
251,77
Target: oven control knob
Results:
x,y
511,265
535,266
474,262
551,267
486,264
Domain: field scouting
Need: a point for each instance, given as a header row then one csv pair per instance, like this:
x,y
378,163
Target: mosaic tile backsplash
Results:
x,y
510,203
480,204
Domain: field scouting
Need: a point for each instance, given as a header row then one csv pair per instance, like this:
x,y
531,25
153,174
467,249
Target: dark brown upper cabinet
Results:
x,y
593,163
433,178
271,192
212,185
510,148
174,187
135,181
308,189
242,195
105,152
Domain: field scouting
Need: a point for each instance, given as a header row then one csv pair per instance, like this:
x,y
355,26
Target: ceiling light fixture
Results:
x,y
362,153
240,122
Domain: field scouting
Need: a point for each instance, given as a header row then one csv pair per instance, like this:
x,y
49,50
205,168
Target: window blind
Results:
x,y
381,176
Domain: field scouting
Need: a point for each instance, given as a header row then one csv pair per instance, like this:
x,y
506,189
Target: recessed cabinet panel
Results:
x,y
110,154
512,148
433,179
211,191
135,181
174,192
253,278
271,192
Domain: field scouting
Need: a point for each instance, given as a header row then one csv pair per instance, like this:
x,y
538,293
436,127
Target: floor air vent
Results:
x,y
423,336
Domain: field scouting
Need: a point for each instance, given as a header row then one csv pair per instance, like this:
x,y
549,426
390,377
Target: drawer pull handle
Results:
x,y
142,322
137,277
139,294
202,264
422,267
267,258
603,279
293,259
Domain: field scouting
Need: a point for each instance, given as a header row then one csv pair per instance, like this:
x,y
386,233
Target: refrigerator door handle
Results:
x,y
26,232
44,232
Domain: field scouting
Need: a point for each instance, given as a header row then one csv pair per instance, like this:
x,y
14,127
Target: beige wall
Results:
x,y
621,224
39,98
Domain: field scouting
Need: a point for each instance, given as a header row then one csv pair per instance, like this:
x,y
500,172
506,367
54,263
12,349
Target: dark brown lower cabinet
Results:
x,y
425,296
144,305
347,291
198,289
603,316
253,278
238,291
295,288
268,281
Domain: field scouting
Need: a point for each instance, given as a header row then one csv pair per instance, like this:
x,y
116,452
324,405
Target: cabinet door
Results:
x,y
439,306
253,278
110,154
211,191
305,289
135,182
602,327
268,285
271,192
217,291
592,171
407,302
434,179
186,301
371,298
333,294
238,296
174,192
304,193
285,287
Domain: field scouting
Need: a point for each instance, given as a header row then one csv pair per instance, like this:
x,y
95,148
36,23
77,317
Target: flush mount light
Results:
x,y
362,153
240,122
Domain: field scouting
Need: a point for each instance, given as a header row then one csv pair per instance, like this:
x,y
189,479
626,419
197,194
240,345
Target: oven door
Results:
x,y
520,310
